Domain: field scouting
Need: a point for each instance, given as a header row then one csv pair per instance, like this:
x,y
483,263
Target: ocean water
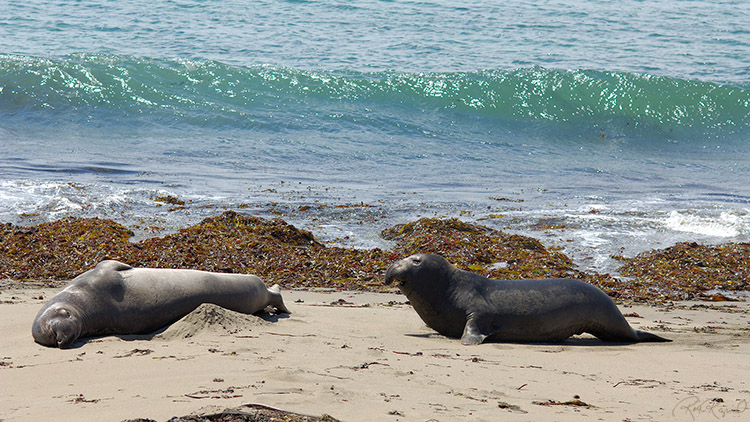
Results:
x,y
599,127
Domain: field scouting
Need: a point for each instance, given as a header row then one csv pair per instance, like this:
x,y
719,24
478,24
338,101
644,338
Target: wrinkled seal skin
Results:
x,y
459,303
115,298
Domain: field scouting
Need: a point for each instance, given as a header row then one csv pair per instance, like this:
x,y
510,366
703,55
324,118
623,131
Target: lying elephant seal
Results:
x,y
462,304
115,298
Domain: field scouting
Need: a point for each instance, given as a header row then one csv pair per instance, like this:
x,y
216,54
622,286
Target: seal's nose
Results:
x,y
396,270
390,274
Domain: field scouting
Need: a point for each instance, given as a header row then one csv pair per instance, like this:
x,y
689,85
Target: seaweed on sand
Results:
x,y
230,242
247,413
273,249
281,253
60,249
688,270
484,250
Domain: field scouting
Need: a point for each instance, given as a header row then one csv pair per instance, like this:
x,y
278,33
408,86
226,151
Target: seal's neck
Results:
x,y
435,305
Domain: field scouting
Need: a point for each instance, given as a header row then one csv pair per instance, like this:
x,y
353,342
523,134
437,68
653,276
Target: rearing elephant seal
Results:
x,y
462,304
115,298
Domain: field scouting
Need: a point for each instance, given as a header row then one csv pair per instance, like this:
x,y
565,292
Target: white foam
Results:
x,y
51,200
22,196
726,224
592,238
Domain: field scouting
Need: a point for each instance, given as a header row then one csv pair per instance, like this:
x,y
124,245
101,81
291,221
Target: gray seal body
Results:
x,y
115,298
459,303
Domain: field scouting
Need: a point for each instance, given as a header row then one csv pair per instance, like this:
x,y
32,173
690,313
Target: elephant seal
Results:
x,y
459,303
115,298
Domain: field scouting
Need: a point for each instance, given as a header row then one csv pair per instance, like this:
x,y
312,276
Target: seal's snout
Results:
x,y
391,273
399,269
395,272
55,327
65,332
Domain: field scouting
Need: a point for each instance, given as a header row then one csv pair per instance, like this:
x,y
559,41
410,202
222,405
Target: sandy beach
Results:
x,y
367,356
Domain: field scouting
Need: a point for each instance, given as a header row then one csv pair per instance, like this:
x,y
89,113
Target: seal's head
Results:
x,y
419,272
56,326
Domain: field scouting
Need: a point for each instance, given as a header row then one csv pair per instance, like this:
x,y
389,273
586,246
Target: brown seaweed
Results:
x,y
687,270
281,253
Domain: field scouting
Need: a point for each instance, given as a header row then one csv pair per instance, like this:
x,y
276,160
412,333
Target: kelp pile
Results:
x,y
500,255
483,250
59,250
233,243
272,249
688,270
281,253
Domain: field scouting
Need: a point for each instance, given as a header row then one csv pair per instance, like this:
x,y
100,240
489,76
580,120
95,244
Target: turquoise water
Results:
x,y
706,40
512,114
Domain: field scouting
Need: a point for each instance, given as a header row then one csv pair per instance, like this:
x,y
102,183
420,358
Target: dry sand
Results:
x,y
370,357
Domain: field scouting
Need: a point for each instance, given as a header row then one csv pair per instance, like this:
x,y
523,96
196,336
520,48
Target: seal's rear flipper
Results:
x,y
276,300
472,333
646,336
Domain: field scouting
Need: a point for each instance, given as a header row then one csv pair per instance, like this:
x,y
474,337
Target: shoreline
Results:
x,y
368,356
281,253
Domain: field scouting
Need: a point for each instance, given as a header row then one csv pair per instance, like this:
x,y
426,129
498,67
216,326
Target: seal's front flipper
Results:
x,y
473,334
112,265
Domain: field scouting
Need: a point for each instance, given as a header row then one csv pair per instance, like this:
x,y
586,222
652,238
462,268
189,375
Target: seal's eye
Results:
x,y
415,260
65,313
